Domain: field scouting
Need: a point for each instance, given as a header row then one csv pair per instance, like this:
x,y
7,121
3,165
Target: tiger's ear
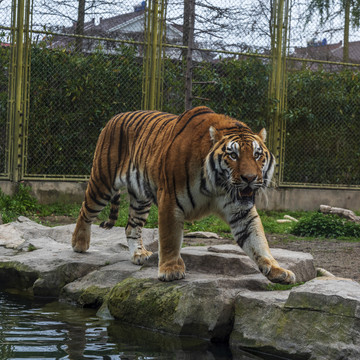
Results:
x,y
214,135
262,134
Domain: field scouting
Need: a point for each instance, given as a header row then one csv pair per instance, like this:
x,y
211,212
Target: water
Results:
x,y
30,329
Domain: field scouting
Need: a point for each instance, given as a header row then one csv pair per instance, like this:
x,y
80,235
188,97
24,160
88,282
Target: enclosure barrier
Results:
x,y
66,69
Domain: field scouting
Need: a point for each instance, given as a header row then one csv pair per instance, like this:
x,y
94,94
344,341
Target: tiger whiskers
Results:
x,y
263,195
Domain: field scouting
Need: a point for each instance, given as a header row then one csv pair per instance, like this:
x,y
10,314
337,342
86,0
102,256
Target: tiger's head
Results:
x,y
239,163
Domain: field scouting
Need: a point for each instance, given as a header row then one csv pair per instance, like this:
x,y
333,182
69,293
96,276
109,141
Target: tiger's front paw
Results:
x,y
277,274
140,255
172,270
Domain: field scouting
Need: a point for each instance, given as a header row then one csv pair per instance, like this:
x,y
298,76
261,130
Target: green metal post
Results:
x,y
26,86
277,86
154,33
17,115
18,87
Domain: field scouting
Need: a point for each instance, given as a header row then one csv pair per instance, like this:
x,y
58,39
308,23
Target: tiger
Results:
x,y
190,166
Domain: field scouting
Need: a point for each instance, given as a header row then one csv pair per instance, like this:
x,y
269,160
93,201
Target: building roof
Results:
x,y
129,23
329,52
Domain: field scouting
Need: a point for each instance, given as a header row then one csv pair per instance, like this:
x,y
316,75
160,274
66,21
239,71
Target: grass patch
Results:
x,y
327,226
31,247
59,209
271,226
21,203
311,224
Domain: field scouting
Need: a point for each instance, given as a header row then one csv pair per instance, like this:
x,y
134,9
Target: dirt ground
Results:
x,y
341,258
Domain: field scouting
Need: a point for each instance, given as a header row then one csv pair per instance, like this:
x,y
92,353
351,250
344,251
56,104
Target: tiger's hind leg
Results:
x,y
138,213
114,213
94,202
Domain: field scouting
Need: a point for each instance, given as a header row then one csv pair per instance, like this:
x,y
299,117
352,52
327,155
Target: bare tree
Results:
x,y
79,30
188,39
349,10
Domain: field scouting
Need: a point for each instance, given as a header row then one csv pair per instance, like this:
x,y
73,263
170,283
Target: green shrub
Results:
x,y
237,88
21,203
72,97
328,226
322,127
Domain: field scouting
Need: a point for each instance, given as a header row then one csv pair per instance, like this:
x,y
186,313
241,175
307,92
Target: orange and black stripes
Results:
x,y
145,150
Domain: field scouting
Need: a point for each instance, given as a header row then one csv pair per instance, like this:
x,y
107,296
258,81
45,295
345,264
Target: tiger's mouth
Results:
x,y
248,191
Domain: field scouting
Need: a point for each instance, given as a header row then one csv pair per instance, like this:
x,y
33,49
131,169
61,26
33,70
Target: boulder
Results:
x,y
196,307
318,320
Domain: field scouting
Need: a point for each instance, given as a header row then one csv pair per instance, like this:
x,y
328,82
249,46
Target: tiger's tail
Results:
x,y
114,213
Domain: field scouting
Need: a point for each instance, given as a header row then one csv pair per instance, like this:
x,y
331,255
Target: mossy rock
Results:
x,y
14,275
184,308
149,302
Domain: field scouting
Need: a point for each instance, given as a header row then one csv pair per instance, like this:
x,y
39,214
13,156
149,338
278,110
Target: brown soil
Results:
x,y
341,258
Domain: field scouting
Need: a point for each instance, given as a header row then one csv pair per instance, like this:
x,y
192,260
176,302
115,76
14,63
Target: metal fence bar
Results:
x,y
154,31
18,89
277,86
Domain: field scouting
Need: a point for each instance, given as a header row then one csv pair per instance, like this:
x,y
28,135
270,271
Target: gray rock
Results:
x,y
91,289
197,308
329,295
317,320
202,235
302,264
46,253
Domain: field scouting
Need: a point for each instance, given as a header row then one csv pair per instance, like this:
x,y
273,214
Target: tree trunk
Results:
x,y
345,213
189,13
346,32
80,25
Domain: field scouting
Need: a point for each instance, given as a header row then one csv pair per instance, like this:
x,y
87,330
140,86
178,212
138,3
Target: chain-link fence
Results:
x,y
323,98
86,63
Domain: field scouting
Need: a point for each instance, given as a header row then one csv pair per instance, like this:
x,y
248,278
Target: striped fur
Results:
x,y
189,165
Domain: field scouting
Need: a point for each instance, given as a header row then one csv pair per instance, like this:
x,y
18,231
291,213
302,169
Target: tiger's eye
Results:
x,y
233,155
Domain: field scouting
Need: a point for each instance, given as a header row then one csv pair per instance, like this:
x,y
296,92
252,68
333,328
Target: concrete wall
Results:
x,y
308,199
48,192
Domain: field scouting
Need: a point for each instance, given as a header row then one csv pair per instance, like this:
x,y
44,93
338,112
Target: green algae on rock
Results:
x,y
186,308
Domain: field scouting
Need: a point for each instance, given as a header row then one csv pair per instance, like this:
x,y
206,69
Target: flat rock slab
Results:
x,y
45,256
43,262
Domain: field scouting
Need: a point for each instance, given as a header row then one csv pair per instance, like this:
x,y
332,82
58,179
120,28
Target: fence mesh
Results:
x,y
323,99
87,65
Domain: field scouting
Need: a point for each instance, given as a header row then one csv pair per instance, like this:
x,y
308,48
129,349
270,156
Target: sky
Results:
x,y
247,28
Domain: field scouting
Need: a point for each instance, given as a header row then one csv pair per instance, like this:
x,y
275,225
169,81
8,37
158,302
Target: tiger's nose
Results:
x,y
249,178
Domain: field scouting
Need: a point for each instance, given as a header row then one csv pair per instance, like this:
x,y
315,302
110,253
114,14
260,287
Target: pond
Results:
x,y
31,329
